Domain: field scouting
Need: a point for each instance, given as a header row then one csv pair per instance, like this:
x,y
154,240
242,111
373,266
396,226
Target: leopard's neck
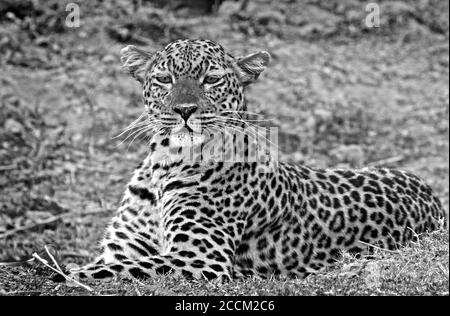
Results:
x,y
167,161
225,145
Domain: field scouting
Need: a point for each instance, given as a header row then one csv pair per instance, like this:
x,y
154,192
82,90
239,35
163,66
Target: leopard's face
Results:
x,y
192,86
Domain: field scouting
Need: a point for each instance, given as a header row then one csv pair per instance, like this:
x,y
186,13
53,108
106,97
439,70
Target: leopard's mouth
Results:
x,y
184,128
193,125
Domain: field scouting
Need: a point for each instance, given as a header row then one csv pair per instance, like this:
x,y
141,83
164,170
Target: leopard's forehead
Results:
x,y
193,49
193,56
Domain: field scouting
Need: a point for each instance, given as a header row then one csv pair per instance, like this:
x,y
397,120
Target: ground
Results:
x,y
342,94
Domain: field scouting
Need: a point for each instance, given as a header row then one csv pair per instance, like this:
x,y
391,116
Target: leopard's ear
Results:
x,y
136,61
251,66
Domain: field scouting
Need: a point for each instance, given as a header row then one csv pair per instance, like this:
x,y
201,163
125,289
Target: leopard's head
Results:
x,y
192,86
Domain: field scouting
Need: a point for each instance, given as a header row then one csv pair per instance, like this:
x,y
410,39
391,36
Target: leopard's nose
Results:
x,y
185,110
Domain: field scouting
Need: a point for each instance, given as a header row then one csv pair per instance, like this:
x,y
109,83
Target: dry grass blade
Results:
x,y
60,272
379,248
52,258
445,272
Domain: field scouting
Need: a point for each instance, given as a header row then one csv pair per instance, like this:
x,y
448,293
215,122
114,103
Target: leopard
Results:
x,y
233,213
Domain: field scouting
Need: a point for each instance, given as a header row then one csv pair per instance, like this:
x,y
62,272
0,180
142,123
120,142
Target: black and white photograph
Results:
x,y
209,149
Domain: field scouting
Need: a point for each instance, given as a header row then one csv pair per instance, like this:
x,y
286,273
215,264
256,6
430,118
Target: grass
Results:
x,y
342,95
421,268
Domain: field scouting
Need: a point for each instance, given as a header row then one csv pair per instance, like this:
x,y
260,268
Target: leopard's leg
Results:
x,y
131,237
208,256
179,263
203,254
123,241
187,239
134,231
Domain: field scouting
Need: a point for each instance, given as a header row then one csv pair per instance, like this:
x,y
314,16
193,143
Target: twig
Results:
x,y
16,263
85,167
45,262
74,254
8,167
48,221
386,161
37,224
379,248
16,293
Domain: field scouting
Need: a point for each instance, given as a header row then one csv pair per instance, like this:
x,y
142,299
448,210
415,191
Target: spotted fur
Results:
x,y
210,219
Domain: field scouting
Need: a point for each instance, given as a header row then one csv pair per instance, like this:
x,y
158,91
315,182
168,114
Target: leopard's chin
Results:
x,y
186,138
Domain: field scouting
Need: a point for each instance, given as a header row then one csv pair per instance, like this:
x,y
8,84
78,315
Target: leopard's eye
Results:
x,y
164,79
211,79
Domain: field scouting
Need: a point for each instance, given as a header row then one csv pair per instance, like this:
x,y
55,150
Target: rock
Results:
x,y
108,59
13,126
351,154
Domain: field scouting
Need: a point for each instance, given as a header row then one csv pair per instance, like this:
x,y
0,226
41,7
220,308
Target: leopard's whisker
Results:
x,y
138,120
250,120
146,127
129,128
143,131
241,112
